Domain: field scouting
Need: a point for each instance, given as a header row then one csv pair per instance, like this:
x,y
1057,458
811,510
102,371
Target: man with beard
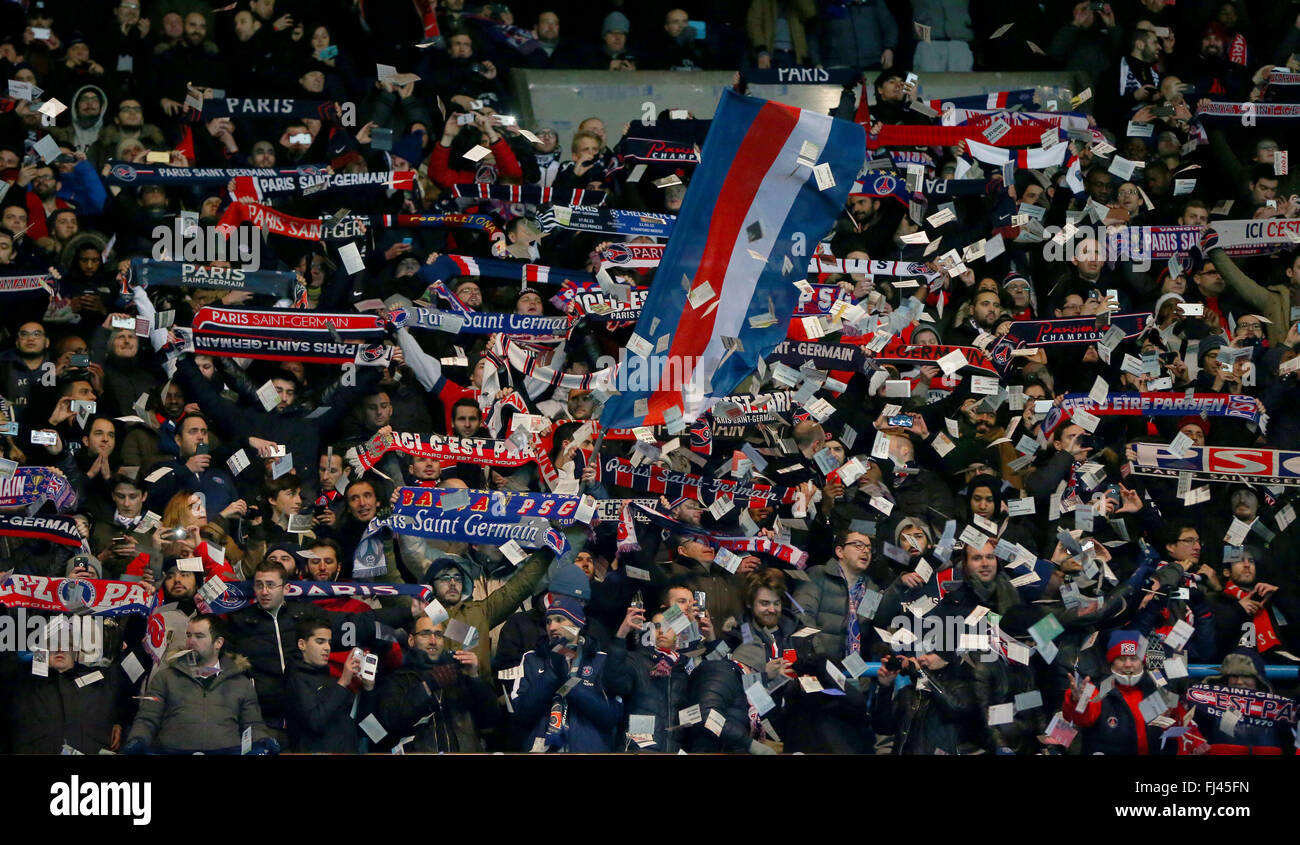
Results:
x,y
985,314
453,586
126,376
20,367
194,61
693,559
1113,722
437,695
201,701
89,106
862,213
128,123
1254,614
41,199
1132,83
146,445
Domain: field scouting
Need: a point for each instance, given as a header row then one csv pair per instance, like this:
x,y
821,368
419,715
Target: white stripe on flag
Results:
x,y
770,207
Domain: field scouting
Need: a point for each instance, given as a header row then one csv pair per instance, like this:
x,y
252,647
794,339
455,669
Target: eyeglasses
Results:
x,y
857,544
1189,540
447,577
37,333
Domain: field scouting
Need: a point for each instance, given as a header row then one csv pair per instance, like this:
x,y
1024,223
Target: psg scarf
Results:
x,y
273,221
263,107
1075,329
239,594
312,336
743,545
30,485
1248,113
994,100
631,255
1265,634
1166,404
500,505
909,355
586,299
175,274
76,595
606,221
1255,707
24,284
823,356
54,529
304,182
444,448
528,194
447,266
649,478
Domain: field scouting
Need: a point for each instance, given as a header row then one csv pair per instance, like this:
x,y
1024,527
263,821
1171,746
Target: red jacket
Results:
x,y
444,177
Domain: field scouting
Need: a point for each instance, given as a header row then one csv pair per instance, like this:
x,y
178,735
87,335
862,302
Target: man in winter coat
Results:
x,y
831,595
1113,722
319,706
928,704
203,701
437,695
453,587
659,682
718,686
566,688
1256,728
266,633
74,705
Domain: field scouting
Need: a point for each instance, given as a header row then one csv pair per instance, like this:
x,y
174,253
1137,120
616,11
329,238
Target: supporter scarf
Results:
x,y
176,274
631,255
898,269
452,220
1265,635
751,409
29,485
654,151
1220,464
1166,404
239,594
428,12
675,485
586,299
949,136
368,558
305,183
606,221
126,174
24,284
1237,53
498,504
1257,708
1283,77
465,527
53,529
291,349
993,100
980,119
801,76
448,266
527,362
819,299
477,322
1031,159
906,354
1075,329
273,221
1128,80
75,595
1255,237
743,545
1236,112
444,448
823,356
264,107
528,194
510,35
314,336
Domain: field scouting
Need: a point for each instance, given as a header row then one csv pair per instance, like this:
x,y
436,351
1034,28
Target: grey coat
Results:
x,y
824,598
859,37
949,20
181,712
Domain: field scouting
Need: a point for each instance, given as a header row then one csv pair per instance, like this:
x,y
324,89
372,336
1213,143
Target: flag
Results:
x,y
724,292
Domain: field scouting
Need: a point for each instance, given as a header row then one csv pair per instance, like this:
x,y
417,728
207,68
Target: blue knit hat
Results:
x,y
568,607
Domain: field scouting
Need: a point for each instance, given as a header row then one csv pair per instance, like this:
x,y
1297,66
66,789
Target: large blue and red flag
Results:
x,y
771,180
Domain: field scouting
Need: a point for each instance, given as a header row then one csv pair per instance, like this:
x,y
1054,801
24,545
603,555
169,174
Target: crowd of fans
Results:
x,y
1071,591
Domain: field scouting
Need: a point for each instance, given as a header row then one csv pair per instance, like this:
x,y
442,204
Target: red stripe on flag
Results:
x,y
758,151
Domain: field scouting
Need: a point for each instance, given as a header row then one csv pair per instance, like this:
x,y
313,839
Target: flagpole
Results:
x,y
595,454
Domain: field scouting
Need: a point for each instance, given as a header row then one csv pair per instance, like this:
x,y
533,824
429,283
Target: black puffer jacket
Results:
x,y
320,711
717,685
45,713
663,697
270,641
457,707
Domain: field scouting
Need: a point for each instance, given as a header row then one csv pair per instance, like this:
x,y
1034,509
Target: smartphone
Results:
x,y
369,665
201,449
126,322
44,438
300,138
505,120
41,33
900,421
1163,111
408,241
329,52
701,600
790,656
701,29
79,361
1097,5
